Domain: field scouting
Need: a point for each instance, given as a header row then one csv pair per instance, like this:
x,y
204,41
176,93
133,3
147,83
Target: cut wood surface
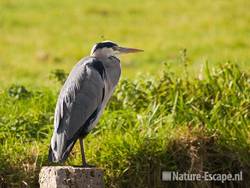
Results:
x,y
68,176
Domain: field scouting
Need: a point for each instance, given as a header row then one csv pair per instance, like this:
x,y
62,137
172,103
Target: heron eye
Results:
x,y
114,48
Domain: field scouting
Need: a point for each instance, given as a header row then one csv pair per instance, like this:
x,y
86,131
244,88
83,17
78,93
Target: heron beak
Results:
x,y
124,50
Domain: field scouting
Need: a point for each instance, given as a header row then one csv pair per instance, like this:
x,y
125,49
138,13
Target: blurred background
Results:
x,y
39,36
182,105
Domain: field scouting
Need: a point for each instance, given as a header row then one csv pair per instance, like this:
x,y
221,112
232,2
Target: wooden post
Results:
x,y
70,177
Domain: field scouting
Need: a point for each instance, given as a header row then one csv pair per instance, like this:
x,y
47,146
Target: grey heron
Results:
x,y
83,98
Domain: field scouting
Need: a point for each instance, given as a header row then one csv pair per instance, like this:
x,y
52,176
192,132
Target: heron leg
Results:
x,y
84,163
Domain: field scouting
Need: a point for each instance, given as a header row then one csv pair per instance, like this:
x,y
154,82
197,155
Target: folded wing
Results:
x,y
77,107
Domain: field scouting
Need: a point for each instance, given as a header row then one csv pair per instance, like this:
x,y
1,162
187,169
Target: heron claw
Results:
x,y
88,166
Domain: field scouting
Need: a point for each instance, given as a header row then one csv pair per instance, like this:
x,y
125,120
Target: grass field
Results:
x,y
39,36
175,109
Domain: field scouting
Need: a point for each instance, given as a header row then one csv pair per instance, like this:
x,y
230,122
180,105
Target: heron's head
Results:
x,y
107,49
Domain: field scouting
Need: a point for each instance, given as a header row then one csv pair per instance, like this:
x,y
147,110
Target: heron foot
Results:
x,y
88,165
85,166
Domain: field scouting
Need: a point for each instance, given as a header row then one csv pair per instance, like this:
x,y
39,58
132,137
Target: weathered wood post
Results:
x,y
70,177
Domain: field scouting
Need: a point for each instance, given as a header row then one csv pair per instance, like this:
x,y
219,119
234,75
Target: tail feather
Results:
x,y
51,157
60,154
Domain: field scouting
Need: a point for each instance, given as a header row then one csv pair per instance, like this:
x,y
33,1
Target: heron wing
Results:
x,y
78,104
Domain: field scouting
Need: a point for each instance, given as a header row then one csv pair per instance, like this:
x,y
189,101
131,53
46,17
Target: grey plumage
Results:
x,y
84,95
83,98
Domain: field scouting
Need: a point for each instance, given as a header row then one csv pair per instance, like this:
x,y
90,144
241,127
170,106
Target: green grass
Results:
x,y
151,124
37,37
169,112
